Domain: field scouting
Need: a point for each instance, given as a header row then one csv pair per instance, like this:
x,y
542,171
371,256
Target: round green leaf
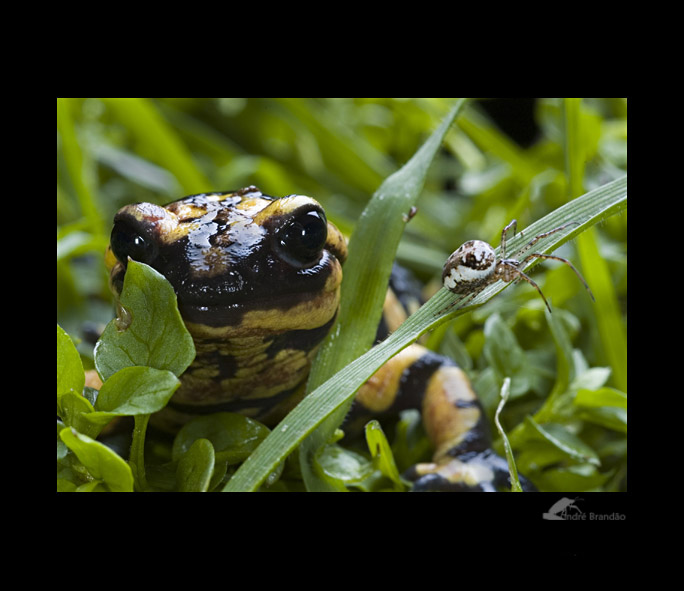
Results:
x,y
233,436
339,467
505,355
153,335
136,391
102,463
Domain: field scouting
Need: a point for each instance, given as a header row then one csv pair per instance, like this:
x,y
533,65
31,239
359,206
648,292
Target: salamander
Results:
x,y
257,280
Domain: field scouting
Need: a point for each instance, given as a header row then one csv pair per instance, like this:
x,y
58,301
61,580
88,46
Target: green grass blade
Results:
x,y
338,390
77,164
159,139
371,254
513,470
492,141
350,159
608,315
609,322
367,271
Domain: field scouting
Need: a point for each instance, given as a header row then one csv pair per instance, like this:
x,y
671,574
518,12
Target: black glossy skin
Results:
x,y
227,253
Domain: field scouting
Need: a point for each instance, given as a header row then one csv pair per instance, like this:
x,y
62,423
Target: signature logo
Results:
x,y
567,509
564,509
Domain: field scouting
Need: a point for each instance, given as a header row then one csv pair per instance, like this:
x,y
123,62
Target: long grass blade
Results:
x,y
367,271
611,328
147,124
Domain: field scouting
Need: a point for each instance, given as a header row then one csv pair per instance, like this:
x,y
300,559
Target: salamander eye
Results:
x,y
301,240
126,241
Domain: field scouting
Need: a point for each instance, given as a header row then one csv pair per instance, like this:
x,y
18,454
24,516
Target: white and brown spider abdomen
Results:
x,y
470,267
475,265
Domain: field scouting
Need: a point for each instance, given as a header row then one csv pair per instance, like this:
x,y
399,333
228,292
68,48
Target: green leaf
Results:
x,y
603,406
102,463
196,467
591,379
136,459
505,356
410,445
383,458
70,374
61,448
136,391
582,477
155,335
64,485
339,468
565,370
607,416
564,440
74,410
93,486
233,436
339,390
601,397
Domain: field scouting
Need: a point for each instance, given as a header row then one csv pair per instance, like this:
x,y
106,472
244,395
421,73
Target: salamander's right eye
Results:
x,y
126,241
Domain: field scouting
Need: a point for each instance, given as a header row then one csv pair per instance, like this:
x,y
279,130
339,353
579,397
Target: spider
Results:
x,y
474,265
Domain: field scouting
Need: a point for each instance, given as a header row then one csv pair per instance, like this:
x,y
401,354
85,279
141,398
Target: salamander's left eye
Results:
x,y
301,240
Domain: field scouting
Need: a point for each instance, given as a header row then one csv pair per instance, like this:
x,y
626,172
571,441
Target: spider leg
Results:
x,y
502,250
536,239
562,260
463,304
521,275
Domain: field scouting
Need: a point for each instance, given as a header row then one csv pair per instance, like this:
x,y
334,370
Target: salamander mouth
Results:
x,y
234,302
254,317
272,304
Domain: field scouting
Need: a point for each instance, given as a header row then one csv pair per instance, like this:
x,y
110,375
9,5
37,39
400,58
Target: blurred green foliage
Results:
x,y
111,152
